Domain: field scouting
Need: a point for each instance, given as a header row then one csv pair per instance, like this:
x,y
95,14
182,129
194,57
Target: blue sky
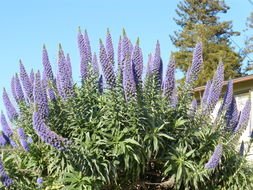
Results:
x,y
27,25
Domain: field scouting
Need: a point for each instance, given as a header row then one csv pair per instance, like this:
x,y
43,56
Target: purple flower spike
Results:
x,y
40,97
193,107
150,65
22,138
157,67
3,140
5,126
215,90
47,72
51,94
197,61
26,82
32,77
5,179
39,180
241,151
64,82
131,47
169,83
83,54
100,84
80,42
84,67
87,46
128,80
206,93
244,117
120,55
109,47
13,89
95,67
11,111
18,89
69,68
228,97
107,67
125,48
46,134
137,61
231,115
215,159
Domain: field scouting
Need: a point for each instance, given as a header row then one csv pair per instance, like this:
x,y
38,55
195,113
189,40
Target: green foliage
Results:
x,y
142,144
199,21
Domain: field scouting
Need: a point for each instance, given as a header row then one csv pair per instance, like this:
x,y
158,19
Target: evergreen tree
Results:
x,y
199,21
249,45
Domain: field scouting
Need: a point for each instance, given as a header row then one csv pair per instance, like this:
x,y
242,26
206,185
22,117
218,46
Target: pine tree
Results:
x,y
199,21
249,45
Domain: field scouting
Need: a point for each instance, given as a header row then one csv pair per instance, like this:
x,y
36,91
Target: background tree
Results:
x,y
199,21
249,44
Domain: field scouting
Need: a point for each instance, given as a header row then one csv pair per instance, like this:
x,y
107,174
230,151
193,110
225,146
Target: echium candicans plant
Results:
x,y
40,97
215,159
231,115
119,56
13,89
18,89
27,85
125,49
47,68
215,90
118,133
129,84
244,118
109,47
169,83
82,45
64,80
157,65
23,139
11,110
5,126
137,64
228,97
206,93
95,67
107,66
197,61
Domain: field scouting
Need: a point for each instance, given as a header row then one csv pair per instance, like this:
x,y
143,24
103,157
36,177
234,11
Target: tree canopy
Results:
x,y
249,44
199,21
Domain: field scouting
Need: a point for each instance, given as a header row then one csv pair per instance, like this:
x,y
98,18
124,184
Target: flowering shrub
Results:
x,y
120,129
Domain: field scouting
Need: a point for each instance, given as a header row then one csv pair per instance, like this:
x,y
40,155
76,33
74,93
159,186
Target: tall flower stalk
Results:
x,y
215,159
23,140
26,82
157,65
109,47
169,83
197,61
107,67
11,111
137,62
215,90
129,84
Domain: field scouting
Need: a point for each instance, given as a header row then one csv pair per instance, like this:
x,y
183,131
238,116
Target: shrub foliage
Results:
x,y
121,129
